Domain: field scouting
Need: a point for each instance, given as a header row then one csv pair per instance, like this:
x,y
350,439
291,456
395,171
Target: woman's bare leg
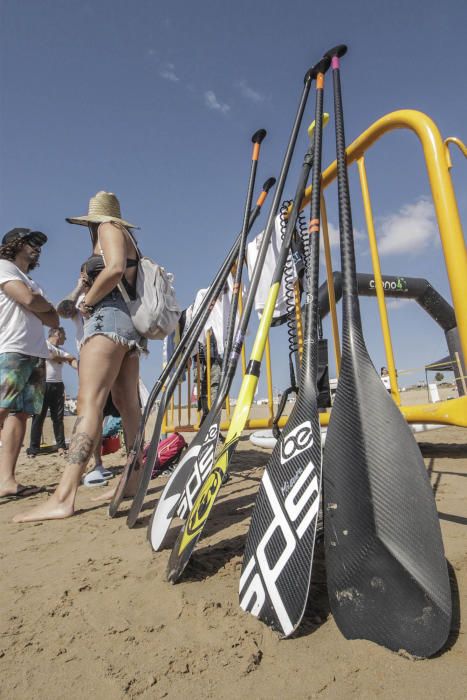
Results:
x,y
100,362
125,398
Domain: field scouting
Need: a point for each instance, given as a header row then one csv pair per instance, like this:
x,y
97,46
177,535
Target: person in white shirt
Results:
x,y
24,311
54,398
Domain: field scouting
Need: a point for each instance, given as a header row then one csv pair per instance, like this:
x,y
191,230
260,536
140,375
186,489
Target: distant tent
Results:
x,y
443,365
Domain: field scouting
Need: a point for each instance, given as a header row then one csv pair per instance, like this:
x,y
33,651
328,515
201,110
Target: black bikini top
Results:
x,y
94,265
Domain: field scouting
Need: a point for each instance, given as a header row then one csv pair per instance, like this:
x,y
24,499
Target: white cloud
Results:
x,y
212,102
396,304
410,230
248,92
333,233
167,71
334,237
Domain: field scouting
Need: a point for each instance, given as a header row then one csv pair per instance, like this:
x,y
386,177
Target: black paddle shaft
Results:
x,y
386,571
182,353
181,554
181,490
279,550
138,499
256,139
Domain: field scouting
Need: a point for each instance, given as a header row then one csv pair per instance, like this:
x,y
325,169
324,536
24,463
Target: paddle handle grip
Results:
x,y
320,67
336,52
266,187
256,139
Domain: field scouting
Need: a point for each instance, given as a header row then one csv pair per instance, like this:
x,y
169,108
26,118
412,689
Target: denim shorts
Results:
x,y
22,382
112,319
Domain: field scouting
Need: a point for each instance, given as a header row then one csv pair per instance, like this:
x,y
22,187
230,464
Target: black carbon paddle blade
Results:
x,y
276,571
182,488
387,575
386,570
120,490
146,474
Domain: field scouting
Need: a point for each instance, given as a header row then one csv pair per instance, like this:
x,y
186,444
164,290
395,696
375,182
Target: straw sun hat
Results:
x,y
104,206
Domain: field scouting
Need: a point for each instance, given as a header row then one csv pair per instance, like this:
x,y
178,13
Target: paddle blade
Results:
x,y
386,569
278,555
184,484
193,528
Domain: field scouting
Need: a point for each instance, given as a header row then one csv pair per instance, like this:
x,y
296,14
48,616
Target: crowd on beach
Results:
x,y
107,358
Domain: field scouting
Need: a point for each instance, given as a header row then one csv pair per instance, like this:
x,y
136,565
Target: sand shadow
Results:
x,y
248,459
458,519
456,614
209,560
441,449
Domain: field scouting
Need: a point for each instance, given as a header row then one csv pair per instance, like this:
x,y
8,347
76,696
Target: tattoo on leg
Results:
x,y
81,446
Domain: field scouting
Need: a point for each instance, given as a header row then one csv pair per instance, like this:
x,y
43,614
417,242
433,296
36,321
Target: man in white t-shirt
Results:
x,y
54,398
24,311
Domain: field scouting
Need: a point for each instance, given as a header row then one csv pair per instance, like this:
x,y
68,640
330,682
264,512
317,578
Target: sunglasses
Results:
x,y
35,241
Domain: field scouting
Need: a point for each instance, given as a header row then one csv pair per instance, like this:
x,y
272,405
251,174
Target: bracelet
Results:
x,y
87,307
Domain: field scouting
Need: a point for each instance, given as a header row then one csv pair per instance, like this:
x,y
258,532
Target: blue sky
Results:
x,y
157,102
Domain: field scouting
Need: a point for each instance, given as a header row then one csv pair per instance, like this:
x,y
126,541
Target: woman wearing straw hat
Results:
x,y
109,357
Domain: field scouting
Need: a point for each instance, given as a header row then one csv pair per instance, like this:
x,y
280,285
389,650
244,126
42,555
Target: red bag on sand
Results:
x,y
168,452
110,444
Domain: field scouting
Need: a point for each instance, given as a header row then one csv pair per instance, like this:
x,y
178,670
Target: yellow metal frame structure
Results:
x,y
438,163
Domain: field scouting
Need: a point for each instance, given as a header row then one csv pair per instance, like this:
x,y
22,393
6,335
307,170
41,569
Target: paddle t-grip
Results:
x,y
266,187
311,128
270,182
258,136
320,67
336,52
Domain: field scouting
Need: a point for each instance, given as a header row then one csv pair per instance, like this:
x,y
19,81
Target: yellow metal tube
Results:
x,y
179,403
444,199
188,376
378,280
269,379
298,319
208,367
460,144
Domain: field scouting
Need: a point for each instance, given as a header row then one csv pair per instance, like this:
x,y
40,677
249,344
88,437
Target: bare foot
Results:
x,y
130,484
51,509
8,488
106,495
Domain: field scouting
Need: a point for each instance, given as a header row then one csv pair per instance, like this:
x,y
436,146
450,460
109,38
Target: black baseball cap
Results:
x,y
37,237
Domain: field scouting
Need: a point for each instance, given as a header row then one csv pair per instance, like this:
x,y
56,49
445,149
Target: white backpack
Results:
x,y
155,311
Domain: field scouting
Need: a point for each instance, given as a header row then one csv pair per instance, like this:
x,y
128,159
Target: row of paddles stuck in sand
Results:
x,y
387,576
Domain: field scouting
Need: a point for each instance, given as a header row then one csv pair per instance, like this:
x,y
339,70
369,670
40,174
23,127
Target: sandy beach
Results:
x,y
86,611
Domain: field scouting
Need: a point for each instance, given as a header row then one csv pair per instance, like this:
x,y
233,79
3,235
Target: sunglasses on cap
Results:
x,y
36,238
35,241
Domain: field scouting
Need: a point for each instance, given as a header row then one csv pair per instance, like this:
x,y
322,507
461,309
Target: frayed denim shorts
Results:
x,y
112,319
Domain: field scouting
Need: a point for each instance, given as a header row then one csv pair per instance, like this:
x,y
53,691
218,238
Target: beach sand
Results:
x,y
86,611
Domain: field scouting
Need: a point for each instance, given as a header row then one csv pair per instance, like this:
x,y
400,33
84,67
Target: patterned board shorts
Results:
x,y
22,382
112,319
